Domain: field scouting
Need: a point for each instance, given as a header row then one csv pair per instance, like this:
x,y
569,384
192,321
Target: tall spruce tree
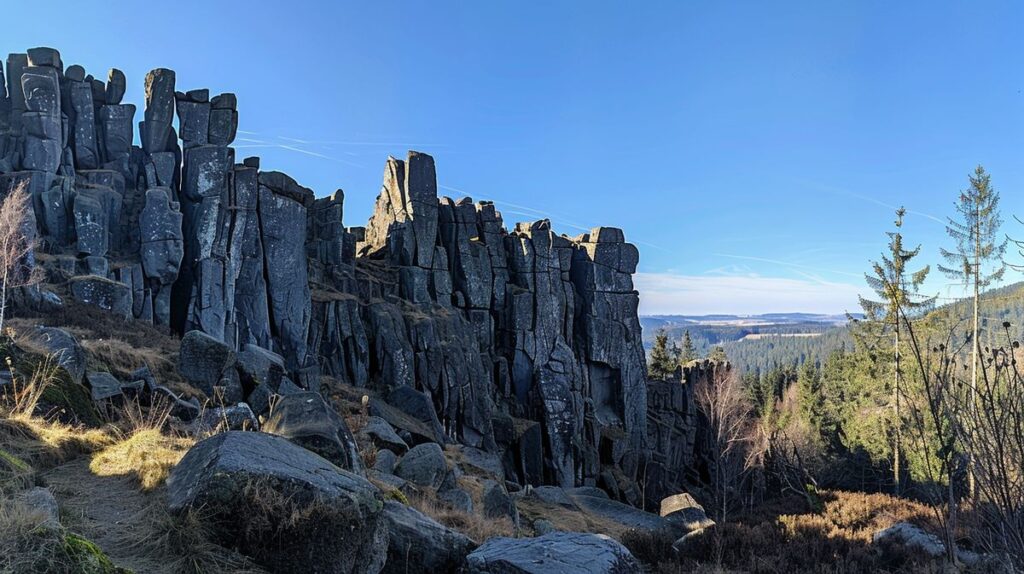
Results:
x,y
898,300
977,260
660,364
689,352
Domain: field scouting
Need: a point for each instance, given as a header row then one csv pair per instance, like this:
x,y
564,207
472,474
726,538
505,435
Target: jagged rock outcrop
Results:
x,y
522,343
673,426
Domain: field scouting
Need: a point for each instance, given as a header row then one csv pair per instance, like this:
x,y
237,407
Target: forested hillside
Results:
x,y
762,345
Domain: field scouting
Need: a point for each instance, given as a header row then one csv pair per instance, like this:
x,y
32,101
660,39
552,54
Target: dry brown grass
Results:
x,y
120,358
473,525
838,539
30,547
185,543
147,455
32,442
113,343
134,527
568,520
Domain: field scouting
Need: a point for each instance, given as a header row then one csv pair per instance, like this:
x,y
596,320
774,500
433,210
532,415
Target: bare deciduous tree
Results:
x,y
17,245
727,410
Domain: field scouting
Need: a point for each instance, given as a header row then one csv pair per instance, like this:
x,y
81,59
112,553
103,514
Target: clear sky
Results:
x,y
752,150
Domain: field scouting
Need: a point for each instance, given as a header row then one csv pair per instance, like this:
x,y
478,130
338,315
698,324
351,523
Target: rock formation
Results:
x,y
522,343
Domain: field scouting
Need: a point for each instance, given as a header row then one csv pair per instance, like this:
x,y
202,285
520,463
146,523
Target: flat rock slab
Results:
x,y
553,553
624,514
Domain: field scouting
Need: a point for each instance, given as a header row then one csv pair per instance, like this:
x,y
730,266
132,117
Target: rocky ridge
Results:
x,y
521,342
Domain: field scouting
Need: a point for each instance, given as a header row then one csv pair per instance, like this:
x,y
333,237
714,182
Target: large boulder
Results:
x,y
286,507
204,360
553,553
308,420
103,293
685,513
424,465
417,543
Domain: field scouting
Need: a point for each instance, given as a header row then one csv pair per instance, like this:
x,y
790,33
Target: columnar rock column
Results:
x,y
610,345
162,248
251,317
282,210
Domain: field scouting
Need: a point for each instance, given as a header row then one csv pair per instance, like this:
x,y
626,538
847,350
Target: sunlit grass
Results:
x,y
147,454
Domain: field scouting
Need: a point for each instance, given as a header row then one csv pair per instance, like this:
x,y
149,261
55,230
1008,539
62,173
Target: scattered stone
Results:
x,y
623,514
383,435
418,406
542,527
64,348
479,460
497,503
911,536
237,418
456,499
103,386
40,500
553,495
423,465
385,461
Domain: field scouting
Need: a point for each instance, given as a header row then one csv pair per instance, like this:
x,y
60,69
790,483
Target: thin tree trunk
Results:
x,y
976,272
3,301
897,439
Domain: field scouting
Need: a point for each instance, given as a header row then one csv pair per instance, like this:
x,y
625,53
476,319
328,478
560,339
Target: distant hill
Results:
x,y
759,342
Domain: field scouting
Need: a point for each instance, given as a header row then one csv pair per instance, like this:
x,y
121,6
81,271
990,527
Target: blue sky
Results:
x,y
752,150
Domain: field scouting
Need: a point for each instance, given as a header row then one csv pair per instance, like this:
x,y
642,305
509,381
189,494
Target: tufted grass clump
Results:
x,y
32,547
147,455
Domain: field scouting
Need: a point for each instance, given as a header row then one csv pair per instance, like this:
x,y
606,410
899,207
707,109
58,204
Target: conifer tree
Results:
x,y
809,381
689,352
660,365
897,290
977,260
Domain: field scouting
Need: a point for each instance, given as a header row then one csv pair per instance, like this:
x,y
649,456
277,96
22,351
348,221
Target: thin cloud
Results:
x,y
668,293
869,199
292,148
785,264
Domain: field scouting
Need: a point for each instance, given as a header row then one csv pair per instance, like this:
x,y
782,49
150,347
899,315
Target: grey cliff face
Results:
x,y
520,342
